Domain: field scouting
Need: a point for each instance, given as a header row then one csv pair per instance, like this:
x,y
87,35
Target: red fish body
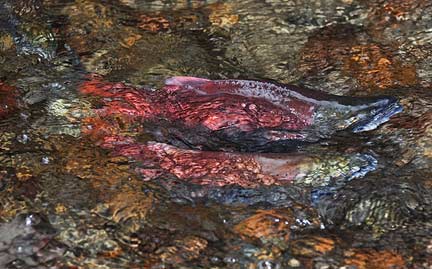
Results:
x,y
238,115
197,116
248,170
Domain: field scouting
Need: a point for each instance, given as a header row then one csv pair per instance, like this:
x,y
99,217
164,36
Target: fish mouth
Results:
x,y
377,114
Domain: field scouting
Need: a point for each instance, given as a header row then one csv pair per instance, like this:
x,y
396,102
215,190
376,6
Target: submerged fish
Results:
x,y
239,115
246,169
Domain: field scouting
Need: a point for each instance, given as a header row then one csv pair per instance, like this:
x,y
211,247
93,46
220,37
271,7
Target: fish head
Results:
x,y
316,170
358,114
334,169
375,114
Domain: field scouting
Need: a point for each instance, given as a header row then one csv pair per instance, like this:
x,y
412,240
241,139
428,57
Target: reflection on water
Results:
x,y
66,201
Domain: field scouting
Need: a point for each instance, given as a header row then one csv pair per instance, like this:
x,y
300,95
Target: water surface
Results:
x,y
65,202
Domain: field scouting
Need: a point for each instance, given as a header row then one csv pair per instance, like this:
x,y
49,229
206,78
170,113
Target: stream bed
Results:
x,y
69,201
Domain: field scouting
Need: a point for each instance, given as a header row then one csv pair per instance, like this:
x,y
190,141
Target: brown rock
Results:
x,y
376,67
389,13
183,250
312,246
129,205
153,23
347,48
369,258
222,15
267,225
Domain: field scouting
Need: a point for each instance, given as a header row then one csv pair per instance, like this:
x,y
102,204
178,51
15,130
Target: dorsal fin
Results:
x,y
185,81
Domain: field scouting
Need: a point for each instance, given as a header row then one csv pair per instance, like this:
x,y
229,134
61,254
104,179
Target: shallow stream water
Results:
x,y
66,202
